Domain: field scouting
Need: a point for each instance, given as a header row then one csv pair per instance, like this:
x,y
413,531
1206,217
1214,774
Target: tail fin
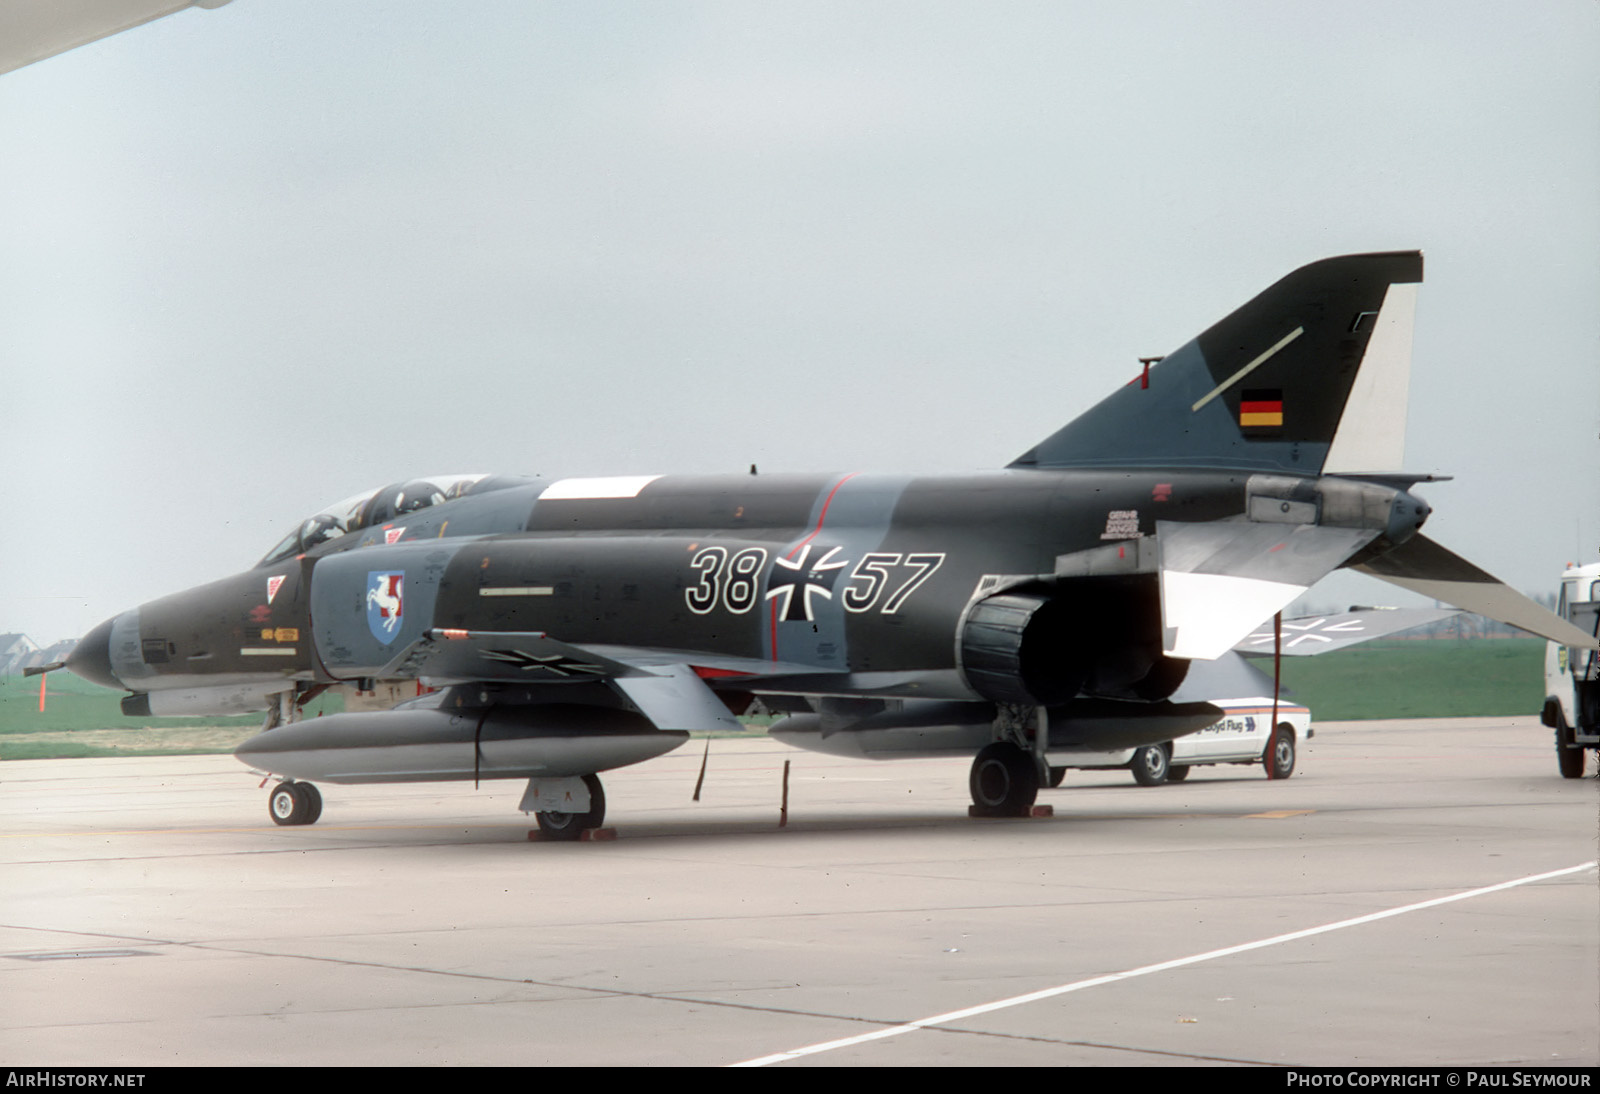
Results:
x,y
1310,376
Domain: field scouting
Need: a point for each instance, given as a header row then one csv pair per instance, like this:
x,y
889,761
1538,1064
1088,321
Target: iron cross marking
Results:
x,y
796,582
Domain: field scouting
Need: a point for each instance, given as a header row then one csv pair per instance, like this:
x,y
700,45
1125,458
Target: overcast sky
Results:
x,y
256,259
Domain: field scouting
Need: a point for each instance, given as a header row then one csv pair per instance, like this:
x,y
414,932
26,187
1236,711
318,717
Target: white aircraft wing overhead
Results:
x,y
31,30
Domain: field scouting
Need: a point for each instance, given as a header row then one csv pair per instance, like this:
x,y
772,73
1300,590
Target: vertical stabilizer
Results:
x,y
1311,372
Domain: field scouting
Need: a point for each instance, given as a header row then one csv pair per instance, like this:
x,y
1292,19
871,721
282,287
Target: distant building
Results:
x,y
15,649
50,654
18,652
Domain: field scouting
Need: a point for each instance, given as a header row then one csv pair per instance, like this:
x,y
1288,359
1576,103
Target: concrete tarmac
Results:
x,y
151,914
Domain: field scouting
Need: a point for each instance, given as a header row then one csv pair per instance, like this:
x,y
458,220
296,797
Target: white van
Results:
x,y
1244,736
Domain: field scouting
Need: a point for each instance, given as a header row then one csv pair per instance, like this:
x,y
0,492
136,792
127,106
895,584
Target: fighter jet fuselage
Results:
x,y
870,576
576,625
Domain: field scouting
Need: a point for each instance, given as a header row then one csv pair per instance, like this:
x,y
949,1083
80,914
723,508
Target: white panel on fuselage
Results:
x,y
617,486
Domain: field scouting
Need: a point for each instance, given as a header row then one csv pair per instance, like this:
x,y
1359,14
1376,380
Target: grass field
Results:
x,y
1423,678
1398,679
82,719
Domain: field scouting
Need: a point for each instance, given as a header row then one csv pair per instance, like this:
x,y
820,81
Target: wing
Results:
x,y
668,688
1308,635
32,31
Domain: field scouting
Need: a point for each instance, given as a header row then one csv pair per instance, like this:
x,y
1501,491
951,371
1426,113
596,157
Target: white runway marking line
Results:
x,y
1063,989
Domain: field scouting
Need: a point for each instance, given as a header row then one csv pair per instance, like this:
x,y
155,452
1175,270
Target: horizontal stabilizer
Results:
x,y
1208,603
1424,567
1307,635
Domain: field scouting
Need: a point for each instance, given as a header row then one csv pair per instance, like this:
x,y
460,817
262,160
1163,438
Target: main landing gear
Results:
x,y
1004,781
294,803
571,826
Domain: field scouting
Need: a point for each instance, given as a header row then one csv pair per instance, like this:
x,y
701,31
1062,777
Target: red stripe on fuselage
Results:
x,y
822,516
772,609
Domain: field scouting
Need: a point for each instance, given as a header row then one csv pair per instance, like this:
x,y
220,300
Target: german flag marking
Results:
x,y
1261,409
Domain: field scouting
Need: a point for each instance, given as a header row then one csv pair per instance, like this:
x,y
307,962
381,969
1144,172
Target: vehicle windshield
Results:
x,y
375,507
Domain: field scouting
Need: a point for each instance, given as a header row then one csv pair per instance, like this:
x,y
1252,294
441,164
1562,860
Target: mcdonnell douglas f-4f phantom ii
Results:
x,y
579,625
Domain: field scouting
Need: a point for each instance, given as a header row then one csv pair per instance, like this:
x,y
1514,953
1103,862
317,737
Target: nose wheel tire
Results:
x,y
1004,781
294,804
571,826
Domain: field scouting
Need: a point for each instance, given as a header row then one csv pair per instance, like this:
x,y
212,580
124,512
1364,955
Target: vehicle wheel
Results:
x,y
287,805
1152,765
1176,773
1057,774
313,799
1568,757
1279,757
1004,781
570,826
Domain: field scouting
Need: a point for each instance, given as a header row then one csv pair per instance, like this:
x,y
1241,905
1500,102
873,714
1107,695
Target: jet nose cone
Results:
x,y
91,657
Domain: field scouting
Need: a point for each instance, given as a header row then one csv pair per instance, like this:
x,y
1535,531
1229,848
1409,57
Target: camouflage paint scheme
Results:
x,y
1058,601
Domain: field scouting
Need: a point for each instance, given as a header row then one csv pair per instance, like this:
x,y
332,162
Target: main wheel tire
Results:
x,y
1176,773
287,805
1057,775
313,799
1279,757
1152,765
571,826
1004,781
1568,757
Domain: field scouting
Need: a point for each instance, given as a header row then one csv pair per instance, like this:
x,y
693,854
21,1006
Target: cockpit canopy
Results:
x,y
378,506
